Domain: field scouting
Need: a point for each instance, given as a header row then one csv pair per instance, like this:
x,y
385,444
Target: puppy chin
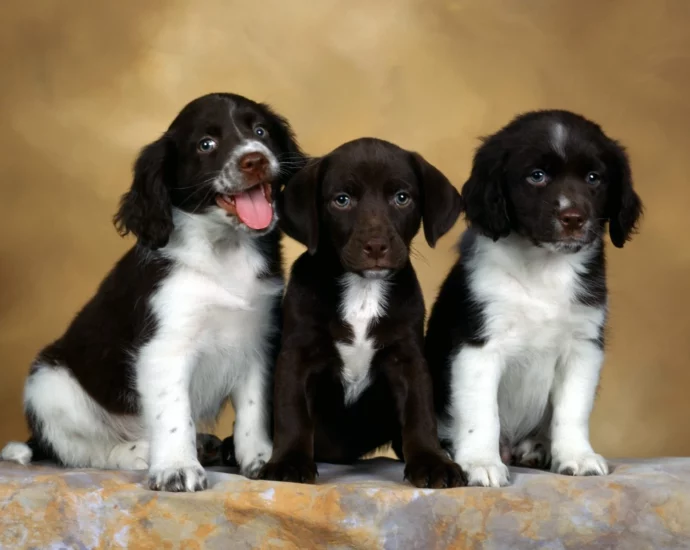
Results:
x,y
376,273
567,246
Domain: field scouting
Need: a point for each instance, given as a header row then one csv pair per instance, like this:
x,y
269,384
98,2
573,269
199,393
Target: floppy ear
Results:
x,y
483,194
298,205
624,206
145,209
441,202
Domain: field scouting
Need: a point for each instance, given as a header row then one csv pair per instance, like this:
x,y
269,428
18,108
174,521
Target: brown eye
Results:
x,y
402,198
342,200
207,145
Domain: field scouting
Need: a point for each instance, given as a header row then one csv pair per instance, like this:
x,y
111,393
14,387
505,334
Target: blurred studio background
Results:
x,y
86,84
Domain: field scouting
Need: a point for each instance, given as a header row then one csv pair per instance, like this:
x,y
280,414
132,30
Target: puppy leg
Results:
x,y
78,430
426,464
164,371
293,437
572,397
253,446
476,373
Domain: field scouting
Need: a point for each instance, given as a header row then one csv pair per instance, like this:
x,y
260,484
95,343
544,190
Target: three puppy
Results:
x,y
191,316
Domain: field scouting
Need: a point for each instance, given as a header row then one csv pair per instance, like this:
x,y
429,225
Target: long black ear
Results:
x,y
442,203
298,205
624,206
145,209
483,193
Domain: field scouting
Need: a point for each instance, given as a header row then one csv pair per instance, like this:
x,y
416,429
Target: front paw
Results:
x,y
177,479
252,463
485,472
579,464
295,469
434,471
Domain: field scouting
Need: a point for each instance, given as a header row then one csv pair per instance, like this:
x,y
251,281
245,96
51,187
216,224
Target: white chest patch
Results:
x,y
532,318
363,301
215,302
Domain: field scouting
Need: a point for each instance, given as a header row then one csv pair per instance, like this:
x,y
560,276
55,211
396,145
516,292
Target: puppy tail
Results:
x,y
21,453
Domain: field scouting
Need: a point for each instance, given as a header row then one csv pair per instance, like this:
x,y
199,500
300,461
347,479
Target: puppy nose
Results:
x,y
253,163
376,248
572,219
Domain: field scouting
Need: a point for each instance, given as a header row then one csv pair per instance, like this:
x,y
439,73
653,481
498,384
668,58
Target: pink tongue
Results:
x,y
253,208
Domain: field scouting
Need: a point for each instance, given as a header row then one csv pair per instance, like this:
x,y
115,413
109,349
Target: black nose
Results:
x,y
572,219
376,248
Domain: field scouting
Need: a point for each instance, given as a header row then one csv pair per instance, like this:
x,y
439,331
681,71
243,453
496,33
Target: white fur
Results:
x,y
15,451
559,137
230,174
564,202
212,315
363,301
540,342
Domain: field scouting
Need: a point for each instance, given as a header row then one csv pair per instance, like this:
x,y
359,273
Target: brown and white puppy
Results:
x,y
188,318
351,375
516,337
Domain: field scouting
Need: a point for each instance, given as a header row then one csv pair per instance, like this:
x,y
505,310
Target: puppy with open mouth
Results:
x,y
188,318
351,375
516,337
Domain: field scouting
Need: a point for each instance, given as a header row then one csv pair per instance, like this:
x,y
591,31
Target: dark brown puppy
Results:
x,y
351,375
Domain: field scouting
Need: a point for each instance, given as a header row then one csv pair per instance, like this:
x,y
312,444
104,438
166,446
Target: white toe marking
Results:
x,y
580,464
489,473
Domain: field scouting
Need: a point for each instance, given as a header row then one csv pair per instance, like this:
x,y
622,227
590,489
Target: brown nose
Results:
x,y
376,248
572,219
253,163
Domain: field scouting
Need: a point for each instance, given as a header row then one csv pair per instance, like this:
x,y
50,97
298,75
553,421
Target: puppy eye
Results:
x,y
593,178
207,145
260,131
537,177
342,200
402,198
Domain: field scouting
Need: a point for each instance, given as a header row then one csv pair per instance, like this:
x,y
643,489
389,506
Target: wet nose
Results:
x,y
253,163
376,248
572,219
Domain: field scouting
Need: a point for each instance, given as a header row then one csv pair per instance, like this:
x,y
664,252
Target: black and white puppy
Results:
x,y
188,318
515,339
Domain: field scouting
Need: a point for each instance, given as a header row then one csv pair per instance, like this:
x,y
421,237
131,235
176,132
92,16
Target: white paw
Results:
x,y
253,459
485,473
532,453
579,464
18,452
178,478
130,455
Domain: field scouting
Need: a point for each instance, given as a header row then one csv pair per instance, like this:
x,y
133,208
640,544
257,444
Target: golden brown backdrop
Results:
x,y
86,84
